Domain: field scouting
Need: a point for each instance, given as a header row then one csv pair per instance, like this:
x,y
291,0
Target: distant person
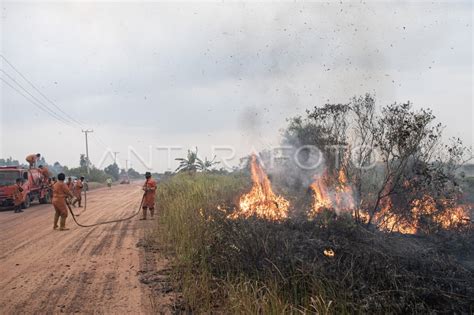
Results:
x,y
149,199
78,192
60,193
18,195
32,159
70,186
109,182
86,185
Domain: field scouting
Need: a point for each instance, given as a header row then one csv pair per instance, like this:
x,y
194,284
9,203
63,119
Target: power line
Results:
x,y
44,96
37,105
100,142
99,139
42,106
51,112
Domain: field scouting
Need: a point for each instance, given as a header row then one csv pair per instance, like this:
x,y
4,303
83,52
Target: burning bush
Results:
x,y
261,201
390,169
250,264
242,247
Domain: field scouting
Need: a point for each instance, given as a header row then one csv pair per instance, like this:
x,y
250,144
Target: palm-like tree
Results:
x,y
205,166
188,164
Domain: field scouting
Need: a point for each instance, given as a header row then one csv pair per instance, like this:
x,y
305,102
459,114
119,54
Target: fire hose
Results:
x,y
104,222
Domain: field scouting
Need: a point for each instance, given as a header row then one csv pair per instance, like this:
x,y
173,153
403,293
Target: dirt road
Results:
x,y
84,270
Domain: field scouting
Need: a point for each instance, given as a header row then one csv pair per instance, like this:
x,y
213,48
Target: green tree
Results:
x,y
57,168
133,173
83,161
113,170
9,162
41,161
188,164
206,165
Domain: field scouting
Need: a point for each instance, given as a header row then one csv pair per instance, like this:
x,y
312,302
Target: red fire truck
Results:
x,y
34,186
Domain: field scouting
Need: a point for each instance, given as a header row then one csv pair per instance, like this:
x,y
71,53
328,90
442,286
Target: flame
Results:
x,y
329,252
450,217
321,197
341,199
261,201
444,213
388,221
335,193
344,193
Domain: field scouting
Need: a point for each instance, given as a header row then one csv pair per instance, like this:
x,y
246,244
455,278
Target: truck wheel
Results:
x,y
45,199
27,203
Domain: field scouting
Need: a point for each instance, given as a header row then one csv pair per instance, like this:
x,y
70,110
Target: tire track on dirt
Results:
x,y
123,234
76,304
87,270
76,245
104,242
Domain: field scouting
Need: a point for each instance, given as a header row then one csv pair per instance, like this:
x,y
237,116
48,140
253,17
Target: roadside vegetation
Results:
x,y
257,266
392,238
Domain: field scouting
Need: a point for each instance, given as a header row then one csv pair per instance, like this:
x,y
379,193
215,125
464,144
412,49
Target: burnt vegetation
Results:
x,y
401,173
382,225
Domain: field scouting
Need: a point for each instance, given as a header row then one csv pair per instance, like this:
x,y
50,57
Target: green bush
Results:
x,y
96,175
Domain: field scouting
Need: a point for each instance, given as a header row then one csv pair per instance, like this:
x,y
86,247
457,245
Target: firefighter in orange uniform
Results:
x,y
70,186
78,192
60,193
18,195
149,199
45,172
32,158
70,183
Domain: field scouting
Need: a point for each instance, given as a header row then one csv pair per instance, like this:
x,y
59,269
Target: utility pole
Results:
x,y
126,169
115,156
87,149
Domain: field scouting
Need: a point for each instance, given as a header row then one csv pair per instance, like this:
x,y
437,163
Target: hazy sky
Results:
x,y
220,74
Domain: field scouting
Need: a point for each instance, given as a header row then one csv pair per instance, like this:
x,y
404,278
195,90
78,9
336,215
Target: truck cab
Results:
x,y
34,186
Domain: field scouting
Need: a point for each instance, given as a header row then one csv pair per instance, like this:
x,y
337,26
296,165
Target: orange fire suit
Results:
x,y
149,199
60,193
78,192
45,172
70,186
17,197
31,159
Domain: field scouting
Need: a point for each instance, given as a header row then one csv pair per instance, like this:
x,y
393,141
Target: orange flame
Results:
x,y
329,253
261,201
341,199
387,219
450,216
